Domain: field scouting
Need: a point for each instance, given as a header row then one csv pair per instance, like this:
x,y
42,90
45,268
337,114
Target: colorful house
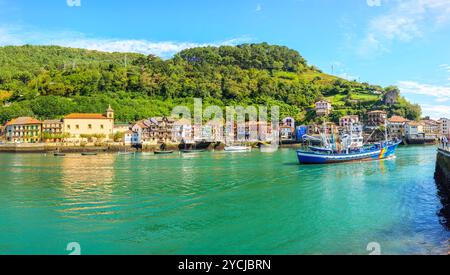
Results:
x,y
153,131
287,129
396,126
444,128
23,130
52,130
346,121
182,131
376,118
414,129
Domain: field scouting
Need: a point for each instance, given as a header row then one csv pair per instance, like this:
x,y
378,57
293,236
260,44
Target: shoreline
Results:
x,y
46,148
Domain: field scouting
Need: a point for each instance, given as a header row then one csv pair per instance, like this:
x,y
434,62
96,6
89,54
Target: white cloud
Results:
x,y
370,46
259,8
436,111
405,21
445,67
439,93
373,3
339,69
165,49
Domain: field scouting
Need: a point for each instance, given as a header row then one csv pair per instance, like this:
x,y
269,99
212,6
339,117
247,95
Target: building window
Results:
x,y
68,127
77,127
101,126
90,126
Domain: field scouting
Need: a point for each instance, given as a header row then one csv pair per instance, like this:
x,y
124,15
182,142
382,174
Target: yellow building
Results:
x,y
23,130
80,126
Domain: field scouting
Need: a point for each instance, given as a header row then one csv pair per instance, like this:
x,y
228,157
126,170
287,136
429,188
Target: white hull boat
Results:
x,y
238,149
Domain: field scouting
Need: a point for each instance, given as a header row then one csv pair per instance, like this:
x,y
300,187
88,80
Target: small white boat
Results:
x,y
238,149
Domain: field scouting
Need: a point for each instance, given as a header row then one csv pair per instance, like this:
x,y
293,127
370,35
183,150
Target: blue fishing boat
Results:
x,y
350,148
375,152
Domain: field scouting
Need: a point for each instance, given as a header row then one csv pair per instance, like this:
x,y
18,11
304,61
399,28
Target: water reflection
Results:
x,y
87,183
220,203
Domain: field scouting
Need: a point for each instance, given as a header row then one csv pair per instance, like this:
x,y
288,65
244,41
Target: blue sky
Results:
x,y
386,42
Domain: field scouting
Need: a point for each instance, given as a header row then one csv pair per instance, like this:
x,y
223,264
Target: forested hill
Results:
x,y
51,81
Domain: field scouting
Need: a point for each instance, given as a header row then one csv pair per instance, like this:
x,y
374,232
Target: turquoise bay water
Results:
x,y
219,203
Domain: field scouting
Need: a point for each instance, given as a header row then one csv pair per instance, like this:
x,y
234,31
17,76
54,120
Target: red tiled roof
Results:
x,y
415,123
398,119
85,116
23,121
430,122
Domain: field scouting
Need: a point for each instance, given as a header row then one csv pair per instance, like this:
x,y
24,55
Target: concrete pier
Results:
x,y
442,176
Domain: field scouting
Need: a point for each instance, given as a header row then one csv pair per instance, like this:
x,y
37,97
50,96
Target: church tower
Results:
x,y
110,113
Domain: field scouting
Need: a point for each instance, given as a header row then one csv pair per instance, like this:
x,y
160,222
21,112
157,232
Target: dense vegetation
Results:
x,y
51,81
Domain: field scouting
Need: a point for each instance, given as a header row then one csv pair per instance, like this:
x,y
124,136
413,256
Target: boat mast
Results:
x,y
385,131
351,132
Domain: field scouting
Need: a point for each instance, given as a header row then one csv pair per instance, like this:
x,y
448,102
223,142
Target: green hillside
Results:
x,y
51,81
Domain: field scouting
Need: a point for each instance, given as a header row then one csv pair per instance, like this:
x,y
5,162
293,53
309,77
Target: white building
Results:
x,y
414,129
348,120
128,138
323,108
396,126
182,131
287,129
445,127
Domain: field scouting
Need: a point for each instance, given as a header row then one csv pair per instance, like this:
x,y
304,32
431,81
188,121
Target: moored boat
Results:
x,y
238,149
375,152
193,151
349,148
59,154
89,154
163,152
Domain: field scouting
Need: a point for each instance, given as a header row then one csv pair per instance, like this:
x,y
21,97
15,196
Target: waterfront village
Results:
x,y
83,129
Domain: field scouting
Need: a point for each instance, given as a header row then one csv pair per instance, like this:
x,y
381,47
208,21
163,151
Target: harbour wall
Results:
x,y
442,176
105,148
63,148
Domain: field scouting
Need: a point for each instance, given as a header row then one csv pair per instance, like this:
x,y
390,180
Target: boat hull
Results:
x,y
88,154
192,151
305,157
238,149
163,152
